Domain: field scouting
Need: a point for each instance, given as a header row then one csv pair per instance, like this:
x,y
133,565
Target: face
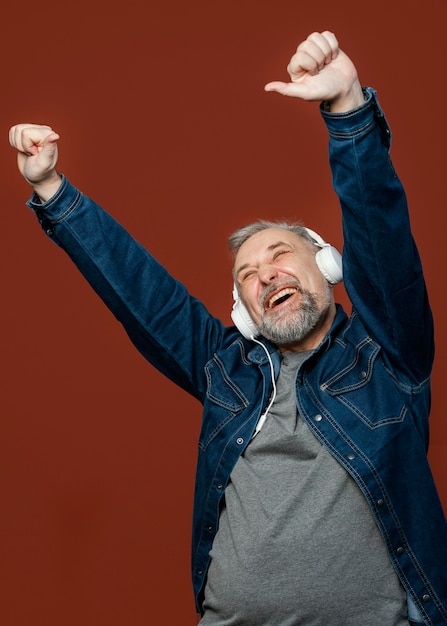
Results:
x,y
284,291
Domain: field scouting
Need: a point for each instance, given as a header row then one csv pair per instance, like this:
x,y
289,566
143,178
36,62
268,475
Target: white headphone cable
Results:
x,y
263,417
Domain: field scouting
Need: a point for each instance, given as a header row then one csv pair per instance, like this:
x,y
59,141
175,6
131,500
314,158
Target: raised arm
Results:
x,y
171,329
382,270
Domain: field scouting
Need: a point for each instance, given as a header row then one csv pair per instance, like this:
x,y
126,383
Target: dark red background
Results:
x,y
164,121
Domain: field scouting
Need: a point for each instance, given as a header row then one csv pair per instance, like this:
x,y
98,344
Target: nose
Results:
x,y
267,273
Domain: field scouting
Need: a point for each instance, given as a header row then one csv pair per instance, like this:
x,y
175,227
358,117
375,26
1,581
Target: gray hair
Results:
x,y
241,235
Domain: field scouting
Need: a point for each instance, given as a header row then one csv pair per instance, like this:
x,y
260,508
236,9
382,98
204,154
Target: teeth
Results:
x,y
288,291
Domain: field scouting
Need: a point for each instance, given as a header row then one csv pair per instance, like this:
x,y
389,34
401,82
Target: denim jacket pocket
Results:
x,y
366,388
224,401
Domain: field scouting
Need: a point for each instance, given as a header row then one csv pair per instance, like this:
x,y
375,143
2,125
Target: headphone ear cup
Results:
x,y
329,261
241,318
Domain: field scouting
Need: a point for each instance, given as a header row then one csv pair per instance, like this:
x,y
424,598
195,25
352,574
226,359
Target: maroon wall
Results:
x,y
164,121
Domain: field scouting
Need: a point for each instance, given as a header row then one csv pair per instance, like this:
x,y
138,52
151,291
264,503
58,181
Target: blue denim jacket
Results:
x,y
364,393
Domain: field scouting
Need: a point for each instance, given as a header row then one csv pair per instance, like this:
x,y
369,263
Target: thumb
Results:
x,y
295,90
277,86
47,145
309,90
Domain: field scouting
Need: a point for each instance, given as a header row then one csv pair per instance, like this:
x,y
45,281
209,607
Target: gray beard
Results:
x,y
293,327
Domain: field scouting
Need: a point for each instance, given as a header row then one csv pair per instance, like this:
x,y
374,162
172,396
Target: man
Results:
x,y
314,501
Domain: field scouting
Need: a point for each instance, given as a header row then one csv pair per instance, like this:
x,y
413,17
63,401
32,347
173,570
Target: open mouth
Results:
x,y
281,296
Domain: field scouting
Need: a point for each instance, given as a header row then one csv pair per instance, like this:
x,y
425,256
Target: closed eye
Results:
x,y
247,276
279,253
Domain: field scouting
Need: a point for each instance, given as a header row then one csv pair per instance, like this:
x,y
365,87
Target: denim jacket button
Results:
x,y
239,441
318,417
426,597
400,550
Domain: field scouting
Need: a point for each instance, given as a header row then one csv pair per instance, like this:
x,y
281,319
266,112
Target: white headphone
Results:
x,y
329,263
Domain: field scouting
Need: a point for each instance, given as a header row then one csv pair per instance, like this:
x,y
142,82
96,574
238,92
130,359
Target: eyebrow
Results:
x,y
270,248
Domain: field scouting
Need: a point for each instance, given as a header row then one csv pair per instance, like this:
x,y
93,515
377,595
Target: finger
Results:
x,y
18,135
332,41
313,54
37,140
29,138
304,62
15,135
327,42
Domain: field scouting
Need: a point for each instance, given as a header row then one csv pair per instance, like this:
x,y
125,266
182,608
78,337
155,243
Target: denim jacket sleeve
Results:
x,y
381,265
169,327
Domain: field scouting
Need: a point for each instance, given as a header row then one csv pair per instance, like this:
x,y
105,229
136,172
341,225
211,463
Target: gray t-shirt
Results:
x,y
297,544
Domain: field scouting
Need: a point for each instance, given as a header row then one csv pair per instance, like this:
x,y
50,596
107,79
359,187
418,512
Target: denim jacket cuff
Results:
x,y
350,124
58,206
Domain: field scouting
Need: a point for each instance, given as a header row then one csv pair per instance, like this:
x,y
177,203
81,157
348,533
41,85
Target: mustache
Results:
x,y
270,289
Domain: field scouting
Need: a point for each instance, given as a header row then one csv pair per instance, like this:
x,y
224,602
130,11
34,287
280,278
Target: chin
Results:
x,y
291,329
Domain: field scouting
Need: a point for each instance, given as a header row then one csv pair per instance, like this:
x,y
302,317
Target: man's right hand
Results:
x,y
37,154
